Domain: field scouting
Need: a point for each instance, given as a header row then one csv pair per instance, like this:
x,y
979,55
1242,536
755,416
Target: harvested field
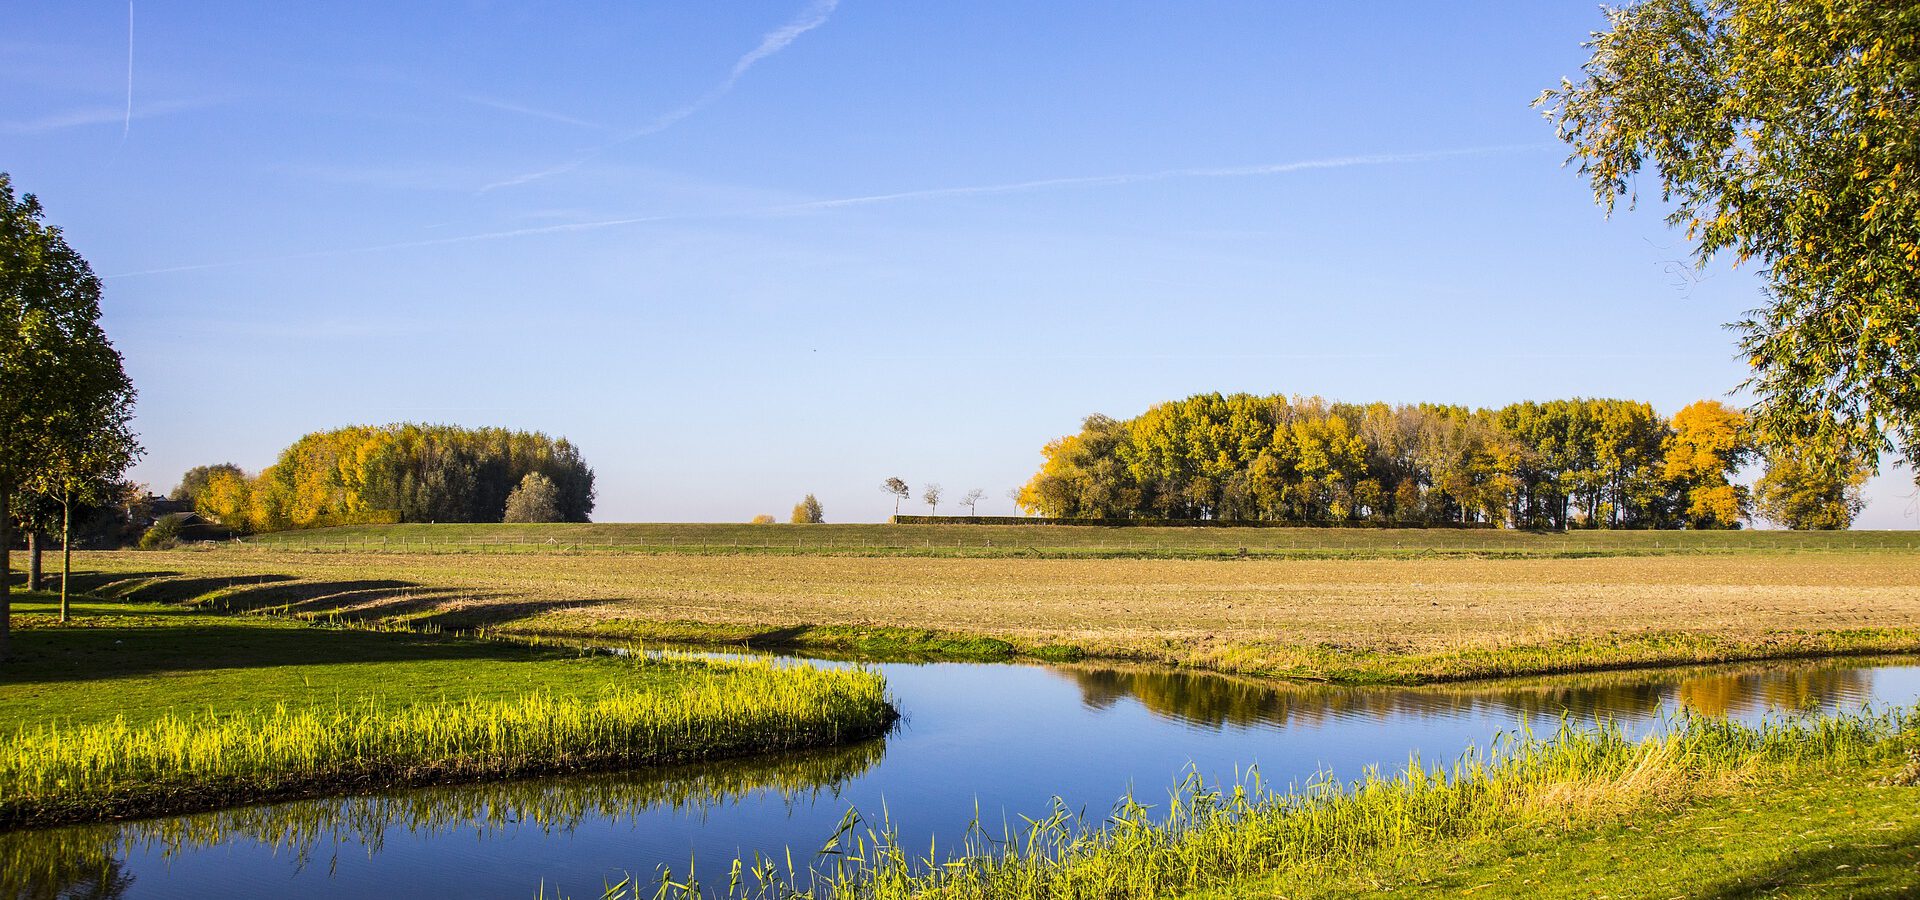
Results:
x,y
1349,620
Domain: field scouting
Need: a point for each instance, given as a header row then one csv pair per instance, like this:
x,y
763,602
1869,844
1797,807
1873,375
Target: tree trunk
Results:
x,y
6,567
66,551
33,560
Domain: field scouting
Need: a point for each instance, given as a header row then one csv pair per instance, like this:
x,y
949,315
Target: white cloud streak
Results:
x,y
126,123
1012,187
506,106
813,16
99,115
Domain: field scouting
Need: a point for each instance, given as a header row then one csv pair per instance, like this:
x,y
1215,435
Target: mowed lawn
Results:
x,y
1378,619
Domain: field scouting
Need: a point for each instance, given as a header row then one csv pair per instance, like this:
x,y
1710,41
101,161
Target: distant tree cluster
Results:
x,y
809,512
406,473
1558,464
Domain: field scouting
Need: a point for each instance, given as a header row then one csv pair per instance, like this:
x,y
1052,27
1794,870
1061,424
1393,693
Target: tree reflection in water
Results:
x,y
85,861
1217,701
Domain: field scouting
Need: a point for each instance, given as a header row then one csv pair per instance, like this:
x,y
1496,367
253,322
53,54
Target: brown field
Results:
x,y
1350,620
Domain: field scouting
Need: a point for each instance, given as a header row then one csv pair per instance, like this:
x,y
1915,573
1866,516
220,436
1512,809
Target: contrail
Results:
x,y
814,16
126,124
1012,187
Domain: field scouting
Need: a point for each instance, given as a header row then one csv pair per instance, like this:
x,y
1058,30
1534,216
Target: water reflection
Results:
x,y
85,861
1217,701
981,742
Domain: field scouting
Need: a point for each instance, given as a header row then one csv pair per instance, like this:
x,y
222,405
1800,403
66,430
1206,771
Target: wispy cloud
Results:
x,y
126,123
508,106
1011,187
813,16
100,115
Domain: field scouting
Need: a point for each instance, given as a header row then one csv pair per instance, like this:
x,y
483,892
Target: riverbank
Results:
x,y
1361,621
1700,810
146,708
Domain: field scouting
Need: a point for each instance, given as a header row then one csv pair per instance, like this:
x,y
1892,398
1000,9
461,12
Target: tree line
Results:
x,y
400,473
1552,465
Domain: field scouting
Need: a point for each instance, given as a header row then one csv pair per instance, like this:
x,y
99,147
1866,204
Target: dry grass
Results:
x,y
1359,619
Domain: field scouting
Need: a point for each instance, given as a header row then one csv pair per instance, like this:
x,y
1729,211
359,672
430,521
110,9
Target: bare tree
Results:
x,y
1013,494
931,497
898,489
972,499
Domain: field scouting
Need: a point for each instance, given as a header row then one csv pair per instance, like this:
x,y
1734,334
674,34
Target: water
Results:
x,y
995,741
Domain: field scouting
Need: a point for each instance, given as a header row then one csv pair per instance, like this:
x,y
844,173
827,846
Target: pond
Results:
x,y
985,741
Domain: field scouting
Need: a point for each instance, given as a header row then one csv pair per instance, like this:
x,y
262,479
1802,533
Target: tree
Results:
x,y
762,519
931,497
972,500
60,373
898,489
92,443
534,500
1783,131
1799,492
808,512
193,484
1709,442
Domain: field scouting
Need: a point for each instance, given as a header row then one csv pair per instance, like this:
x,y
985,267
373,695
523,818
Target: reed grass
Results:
x,y
1215,839
61,773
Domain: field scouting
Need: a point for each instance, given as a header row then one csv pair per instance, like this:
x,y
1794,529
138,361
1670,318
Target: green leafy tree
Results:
x,y
1785,132
536,499
66,398
808,511
1803,490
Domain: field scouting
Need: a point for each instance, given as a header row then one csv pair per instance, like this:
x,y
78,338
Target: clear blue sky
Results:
x,y
739,252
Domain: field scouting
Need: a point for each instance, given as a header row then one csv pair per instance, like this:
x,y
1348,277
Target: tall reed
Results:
x,y
52,773
1211,837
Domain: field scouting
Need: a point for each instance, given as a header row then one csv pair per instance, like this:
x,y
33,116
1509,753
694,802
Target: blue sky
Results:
x,y
743,252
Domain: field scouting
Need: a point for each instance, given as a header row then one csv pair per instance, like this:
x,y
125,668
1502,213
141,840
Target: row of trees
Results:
x,y
65,400
931,495
1555,465
405,473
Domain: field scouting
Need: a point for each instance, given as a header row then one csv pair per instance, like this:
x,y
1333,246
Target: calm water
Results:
x,y
1000,739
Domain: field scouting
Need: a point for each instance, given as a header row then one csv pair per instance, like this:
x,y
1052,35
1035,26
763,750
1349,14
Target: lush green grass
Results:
x,y
143,660
1332,838
143,709
1835,832
1062,541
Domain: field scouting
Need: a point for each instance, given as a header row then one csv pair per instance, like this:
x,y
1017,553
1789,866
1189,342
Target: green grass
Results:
x,y
1837,832
1506,807
1063,541
144,660
136,709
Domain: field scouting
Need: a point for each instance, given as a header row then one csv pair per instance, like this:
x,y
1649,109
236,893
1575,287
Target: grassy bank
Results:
x,y
138,709
1397,621
1556,809
1055,541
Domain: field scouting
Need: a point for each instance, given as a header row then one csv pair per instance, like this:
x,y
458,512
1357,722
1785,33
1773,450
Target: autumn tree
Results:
x,y
1784,132
64,386
808,511
1802,489
972,499
193,484
898,489
534,500
1710,441
931,497
762,519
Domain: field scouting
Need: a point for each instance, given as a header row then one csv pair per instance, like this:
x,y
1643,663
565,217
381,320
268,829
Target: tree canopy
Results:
x,y
403,473
534,500
1785,132
67,403
1558,464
